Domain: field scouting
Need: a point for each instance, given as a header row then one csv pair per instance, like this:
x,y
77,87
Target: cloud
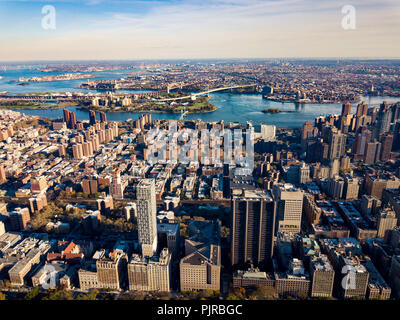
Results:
x,y
211,28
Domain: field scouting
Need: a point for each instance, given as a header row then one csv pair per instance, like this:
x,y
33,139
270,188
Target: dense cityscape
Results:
x,y
186,159
148,209
177,87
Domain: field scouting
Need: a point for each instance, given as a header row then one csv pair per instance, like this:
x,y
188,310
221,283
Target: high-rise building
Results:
x,y
150,274
363,136
252,227
345,255
72,120
103,117
2,228
362,109
369,205
87,149
92,117
346,109
394,275
375,184
298,174
2,173
387,143
307,131
19,219
396,136
168,233
89,186
372,152
147,216
62,152
351,188
304,173
288,206
77,151
386,221
66,116
130,211
384,119
111,269
336,187
38,202
322,276
345,163
337,144
267,132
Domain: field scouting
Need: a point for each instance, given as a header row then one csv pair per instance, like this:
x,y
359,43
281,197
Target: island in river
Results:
x,y
200,105
276,111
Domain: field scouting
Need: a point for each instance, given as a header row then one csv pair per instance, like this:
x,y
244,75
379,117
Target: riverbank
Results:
x,y
230,108
281,100
60,105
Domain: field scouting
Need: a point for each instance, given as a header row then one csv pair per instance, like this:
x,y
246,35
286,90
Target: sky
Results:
x,y
198,29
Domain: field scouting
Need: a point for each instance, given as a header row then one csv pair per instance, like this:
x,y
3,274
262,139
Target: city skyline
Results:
x,y
216,151
216,29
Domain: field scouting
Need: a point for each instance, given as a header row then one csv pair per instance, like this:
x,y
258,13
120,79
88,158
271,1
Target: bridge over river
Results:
x,y
194,95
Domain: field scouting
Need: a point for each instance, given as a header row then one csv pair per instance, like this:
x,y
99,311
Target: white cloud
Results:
x,y
223,28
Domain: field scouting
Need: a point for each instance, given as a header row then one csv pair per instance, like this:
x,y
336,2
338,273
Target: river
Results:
x,y
231,107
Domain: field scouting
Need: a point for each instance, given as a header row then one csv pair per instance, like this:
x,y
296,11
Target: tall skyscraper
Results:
x,y
387,143
103,117
384,119
288,207
147,216
307,131
372,152
363,136
72,120
337,144
362,109
252,226
396,136
66,116
346,109
77,151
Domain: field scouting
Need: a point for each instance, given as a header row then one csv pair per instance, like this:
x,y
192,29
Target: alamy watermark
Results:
x,y
349,19
349,280
49,18
49,280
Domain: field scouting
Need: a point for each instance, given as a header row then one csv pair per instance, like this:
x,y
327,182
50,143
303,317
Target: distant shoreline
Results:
x,y
307,102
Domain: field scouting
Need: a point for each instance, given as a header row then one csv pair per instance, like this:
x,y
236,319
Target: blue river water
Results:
x,y
231,107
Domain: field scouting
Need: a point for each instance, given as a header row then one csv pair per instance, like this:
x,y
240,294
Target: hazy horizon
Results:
x,y
210,59
198,30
